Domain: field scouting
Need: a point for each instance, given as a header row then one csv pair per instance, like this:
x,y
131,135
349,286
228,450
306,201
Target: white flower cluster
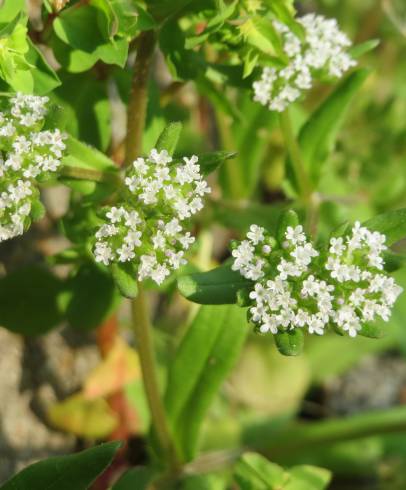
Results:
x,y
355,267
322,53
27,154
294,289
147,230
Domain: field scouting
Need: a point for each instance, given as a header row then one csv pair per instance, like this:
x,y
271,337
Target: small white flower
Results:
x,y
303,254
256,234
103,253
160,273
159,157
337,246
115,214
140,166
295,235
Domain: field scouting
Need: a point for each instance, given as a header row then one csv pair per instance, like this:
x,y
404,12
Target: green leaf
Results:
x,y
250,138
184,64
37,210
318,136
75,471
45,78
169,138
216,287
29,300
202,482
10,9
358,50
85,156
394,261
290,343
261,33
132,18
254,472
92,297
72,60
162,9
209,162
240,218
215,22
373,330
114,53
88,109
106,18
79,28
207,353
10,26
136,479
14,68
306,477
392,224
79,222
124,276
285,12
215,94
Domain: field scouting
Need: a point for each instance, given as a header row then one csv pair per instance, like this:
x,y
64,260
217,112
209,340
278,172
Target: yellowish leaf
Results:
x,y
91,419
120,367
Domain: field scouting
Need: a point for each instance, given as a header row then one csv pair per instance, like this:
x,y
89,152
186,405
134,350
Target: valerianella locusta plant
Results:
x,y
297,286
321,54
147,229
28,155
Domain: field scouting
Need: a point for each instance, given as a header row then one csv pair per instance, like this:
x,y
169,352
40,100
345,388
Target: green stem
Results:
x,y
89,174
295,155
142,330
281,443
299,168
232,168
300,437
137,106
136,116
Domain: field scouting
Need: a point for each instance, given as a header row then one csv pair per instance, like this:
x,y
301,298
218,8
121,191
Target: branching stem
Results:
x,y
136,116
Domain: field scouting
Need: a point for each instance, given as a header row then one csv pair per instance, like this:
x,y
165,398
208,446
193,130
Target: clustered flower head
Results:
x,y
28,155
148,228
321,54
297,286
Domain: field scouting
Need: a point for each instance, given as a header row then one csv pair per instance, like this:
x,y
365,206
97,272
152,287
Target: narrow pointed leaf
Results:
x,y
255,472
318,136
75,471
392,224
216,287
139,478
207,353
360,49
169,138
125,278
209,162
